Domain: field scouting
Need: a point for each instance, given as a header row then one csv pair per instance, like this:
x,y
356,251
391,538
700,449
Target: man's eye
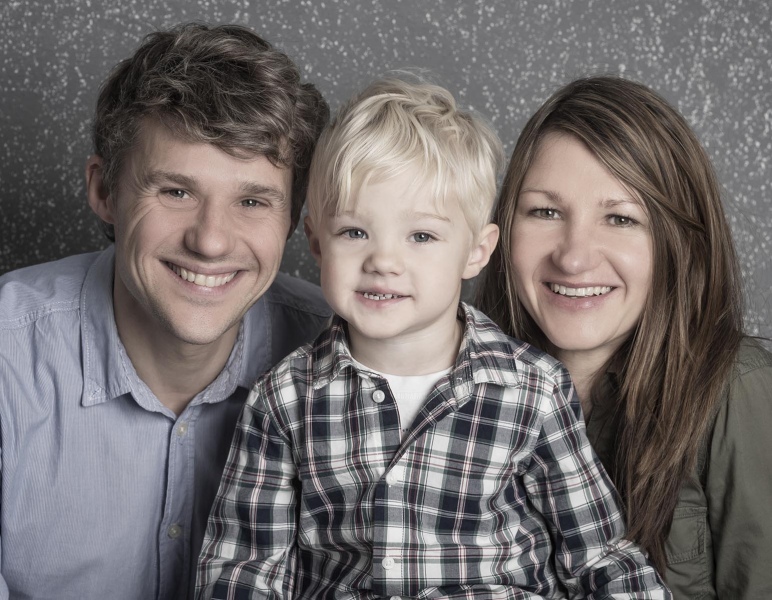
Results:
x,y
178,194
422,237
355,234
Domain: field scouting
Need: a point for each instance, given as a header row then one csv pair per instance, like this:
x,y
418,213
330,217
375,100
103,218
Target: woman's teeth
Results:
x,y
598,290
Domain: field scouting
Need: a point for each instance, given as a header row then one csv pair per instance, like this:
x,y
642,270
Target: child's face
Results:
x,y
392,264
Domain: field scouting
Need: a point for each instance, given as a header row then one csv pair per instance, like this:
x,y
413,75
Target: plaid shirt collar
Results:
x,y
479,360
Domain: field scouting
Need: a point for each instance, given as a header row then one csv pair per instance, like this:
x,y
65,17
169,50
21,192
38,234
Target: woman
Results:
x,y
617,259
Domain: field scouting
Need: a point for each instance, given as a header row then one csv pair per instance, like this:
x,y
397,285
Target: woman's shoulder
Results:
x,y
748,390
751,356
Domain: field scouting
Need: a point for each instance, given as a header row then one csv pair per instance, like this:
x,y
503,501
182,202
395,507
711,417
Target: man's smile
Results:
x,y
210,281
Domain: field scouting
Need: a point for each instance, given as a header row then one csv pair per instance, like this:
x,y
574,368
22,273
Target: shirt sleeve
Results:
x,y
249,546
567,484
739,488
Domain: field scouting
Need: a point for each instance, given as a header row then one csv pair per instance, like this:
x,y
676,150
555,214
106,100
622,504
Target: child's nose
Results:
x,y
384,259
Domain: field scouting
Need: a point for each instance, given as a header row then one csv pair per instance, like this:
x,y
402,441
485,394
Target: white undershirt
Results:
x,y
410,392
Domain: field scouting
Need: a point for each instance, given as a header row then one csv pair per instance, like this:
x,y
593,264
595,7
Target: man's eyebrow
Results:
x,y
258,189
158,176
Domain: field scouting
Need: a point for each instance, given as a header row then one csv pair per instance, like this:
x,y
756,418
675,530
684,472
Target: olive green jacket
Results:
x,y
720,543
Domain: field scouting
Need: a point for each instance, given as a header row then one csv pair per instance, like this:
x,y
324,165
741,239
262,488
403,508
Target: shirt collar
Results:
x,y
103,373
485,355
107,370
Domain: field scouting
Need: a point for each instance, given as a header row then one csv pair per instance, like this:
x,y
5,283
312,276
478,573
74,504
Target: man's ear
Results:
x,y
481,252
98,198
313,240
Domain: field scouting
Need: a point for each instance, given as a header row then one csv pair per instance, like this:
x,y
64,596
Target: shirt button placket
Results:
x,y
174,531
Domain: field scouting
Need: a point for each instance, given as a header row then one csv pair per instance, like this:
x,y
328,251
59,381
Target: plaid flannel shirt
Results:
x,y
493,493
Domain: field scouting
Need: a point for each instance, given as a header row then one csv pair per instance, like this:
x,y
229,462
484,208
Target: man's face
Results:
x,y
199,236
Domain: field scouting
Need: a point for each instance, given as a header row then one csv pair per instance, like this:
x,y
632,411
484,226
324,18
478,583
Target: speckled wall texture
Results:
x,y
712,59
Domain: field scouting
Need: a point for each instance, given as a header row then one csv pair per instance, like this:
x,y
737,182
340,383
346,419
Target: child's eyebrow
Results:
x,y
416,215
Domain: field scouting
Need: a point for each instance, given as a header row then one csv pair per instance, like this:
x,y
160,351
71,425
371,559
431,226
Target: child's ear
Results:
x,y
313,240
98,197
481,252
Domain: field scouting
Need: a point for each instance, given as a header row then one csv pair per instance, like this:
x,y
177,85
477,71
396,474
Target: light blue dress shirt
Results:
x,y
105,492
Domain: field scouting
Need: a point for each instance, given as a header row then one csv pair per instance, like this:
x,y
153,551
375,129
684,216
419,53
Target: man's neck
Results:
x,y
174,370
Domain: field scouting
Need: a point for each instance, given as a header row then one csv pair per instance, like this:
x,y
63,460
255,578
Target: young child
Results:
x,y
413,450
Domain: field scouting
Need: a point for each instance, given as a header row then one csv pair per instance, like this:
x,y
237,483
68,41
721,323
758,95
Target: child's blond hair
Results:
x,y
395,124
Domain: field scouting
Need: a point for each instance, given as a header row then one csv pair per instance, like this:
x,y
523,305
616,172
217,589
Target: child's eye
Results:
x,y
544,213
354,234
422,237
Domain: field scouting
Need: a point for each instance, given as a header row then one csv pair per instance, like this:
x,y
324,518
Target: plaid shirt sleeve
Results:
x,y
249,546
571,490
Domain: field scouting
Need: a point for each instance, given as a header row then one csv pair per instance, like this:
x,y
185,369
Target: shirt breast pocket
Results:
x,y
690,555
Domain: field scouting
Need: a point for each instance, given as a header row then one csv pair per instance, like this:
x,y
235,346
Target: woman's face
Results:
x,y
581,251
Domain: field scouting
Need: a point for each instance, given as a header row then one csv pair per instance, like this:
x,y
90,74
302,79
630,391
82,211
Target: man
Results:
x,y
122,373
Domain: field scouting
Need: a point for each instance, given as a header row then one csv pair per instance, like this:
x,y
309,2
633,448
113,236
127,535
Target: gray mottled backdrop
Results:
x,y
712,59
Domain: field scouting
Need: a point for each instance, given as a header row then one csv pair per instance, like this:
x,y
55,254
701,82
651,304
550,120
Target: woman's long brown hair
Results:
x,y
675,364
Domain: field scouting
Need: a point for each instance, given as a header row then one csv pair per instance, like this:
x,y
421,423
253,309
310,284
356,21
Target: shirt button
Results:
x,y
378,396
392,478
388,563
182,429
174,531
395,598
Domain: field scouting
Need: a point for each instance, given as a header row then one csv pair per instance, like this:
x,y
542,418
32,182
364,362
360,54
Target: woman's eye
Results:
x,y
545,213
355,234
622,221
422,237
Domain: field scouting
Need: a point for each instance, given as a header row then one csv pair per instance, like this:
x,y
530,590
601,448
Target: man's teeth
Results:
x,y
598,290
371,296
210,281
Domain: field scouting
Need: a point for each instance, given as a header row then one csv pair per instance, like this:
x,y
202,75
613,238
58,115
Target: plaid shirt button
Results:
x,y
378,396
392,478
388,563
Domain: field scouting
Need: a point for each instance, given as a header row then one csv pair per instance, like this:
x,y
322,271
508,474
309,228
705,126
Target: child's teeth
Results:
x,y
371,296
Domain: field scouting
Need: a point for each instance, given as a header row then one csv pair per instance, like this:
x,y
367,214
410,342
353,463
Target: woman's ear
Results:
x,y
98,197
481,252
